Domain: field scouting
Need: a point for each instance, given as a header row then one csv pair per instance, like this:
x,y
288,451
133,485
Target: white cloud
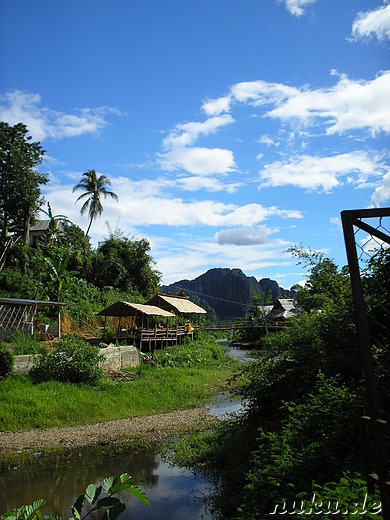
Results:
x,y
349,105
43,123
321,173
244,236
186,134
382,192
180,154
297,7
374,23
262,92
198,161
212,184
145,204
268,141
215,107
336,221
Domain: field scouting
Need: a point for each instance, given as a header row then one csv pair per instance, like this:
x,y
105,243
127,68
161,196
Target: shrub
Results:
x,y
197,353
318,438
72,360
6,361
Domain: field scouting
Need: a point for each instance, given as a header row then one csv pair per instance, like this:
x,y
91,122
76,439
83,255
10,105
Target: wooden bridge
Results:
x,y
233,326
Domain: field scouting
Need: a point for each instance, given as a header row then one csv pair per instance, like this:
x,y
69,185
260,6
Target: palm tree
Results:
x,y
94,187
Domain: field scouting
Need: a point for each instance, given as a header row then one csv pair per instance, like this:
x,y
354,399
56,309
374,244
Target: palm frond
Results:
x,y
94,187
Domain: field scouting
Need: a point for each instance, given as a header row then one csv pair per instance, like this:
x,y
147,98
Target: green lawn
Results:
x,y
24,405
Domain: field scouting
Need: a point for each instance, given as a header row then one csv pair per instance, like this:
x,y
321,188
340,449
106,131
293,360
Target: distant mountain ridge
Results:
x,y
226,292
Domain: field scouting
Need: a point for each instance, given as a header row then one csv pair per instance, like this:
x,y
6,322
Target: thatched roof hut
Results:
x,y
144,324
122,308
143,316
178,304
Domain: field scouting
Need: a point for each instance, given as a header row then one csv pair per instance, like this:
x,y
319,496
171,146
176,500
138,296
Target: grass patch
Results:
x,y
51,404
192,380
20,343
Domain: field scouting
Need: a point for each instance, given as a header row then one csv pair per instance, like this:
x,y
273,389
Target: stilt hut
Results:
x,y
190,314
143,325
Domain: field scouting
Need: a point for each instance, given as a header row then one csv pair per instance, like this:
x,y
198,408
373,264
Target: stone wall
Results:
x,y
23,364
120,357
116,358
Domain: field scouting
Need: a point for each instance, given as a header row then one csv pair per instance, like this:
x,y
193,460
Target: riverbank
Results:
x,y
152,428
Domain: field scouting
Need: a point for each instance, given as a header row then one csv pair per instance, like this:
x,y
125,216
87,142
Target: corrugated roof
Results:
x,y
129,309
284,308
44,225
182,305
38,303
40,225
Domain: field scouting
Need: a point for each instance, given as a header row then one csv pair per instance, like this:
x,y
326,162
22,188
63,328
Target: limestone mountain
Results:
x,y
226,292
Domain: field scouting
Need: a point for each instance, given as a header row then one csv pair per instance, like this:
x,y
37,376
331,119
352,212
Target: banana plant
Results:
x,y
57,270
55,220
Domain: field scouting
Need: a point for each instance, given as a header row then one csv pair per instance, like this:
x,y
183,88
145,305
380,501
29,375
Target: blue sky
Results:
x,y
231,129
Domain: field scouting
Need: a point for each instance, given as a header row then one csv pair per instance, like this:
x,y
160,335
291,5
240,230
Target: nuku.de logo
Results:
x,y
326,507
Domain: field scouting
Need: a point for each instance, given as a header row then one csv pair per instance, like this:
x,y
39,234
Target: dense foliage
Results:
x,y
71,360
125,265
20,195
301,432
6,361
203,351
87,280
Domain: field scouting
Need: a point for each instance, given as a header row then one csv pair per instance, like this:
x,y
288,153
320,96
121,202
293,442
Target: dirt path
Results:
x,y
153,428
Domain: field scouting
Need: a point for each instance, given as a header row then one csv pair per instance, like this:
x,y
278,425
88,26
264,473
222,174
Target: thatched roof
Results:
x,y
179,304
131,309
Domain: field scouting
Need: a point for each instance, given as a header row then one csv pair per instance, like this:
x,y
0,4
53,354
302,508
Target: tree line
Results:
x,y
63,265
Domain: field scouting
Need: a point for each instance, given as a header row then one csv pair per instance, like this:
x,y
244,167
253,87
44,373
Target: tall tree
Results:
x,y
125,265
94,188
20,194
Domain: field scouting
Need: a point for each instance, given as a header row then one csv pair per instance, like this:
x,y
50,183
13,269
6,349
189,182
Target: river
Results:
x,y
174,493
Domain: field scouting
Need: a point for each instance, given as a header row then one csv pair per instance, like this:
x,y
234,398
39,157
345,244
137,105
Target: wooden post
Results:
x,y
59,322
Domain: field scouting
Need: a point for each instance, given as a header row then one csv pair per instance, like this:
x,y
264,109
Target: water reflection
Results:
x,y
226,405
174,493
239,352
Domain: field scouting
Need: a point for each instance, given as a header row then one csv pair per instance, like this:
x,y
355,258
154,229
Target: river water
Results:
x,y
174,493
